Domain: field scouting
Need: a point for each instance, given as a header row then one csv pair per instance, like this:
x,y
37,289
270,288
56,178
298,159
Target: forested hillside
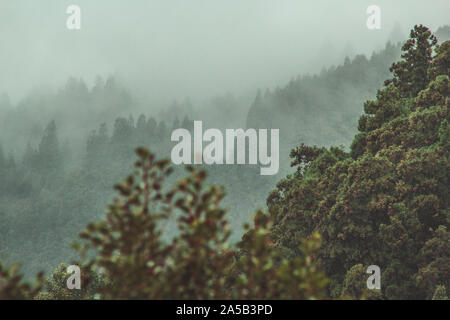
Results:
x,y
63,151
323,109
386,202
380,199
49,194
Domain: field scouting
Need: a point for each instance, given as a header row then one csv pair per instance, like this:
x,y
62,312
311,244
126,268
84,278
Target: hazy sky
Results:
x,y
171,49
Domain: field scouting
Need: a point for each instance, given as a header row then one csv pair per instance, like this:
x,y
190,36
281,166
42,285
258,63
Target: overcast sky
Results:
x,y
171,49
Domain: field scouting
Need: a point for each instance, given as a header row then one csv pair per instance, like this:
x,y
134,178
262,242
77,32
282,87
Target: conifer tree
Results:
x,y
411,74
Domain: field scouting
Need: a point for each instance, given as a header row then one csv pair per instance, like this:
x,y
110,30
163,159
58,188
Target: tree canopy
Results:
x,y
386,201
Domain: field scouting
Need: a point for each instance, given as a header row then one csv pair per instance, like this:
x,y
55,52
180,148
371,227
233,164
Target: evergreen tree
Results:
x,y
385,203
411,74
49,158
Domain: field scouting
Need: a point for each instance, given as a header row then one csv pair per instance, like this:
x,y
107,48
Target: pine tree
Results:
x,y
411,74
385,203
49,158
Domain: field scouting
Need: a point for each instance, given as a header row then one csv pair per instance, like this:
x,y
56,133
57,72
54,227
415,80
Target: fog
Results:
x,y
166,50
75,104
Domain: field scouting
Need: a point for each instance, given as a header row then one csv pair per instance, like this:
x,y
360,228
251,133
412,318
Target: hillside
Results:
x,y
386,201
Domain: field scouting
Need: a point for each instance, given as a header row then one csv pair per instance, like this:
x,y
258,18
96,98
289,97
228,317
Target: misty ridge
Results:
x,y
62,148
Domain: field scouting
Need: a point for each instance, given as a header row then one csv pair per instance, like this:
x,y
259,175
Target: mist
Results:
x,y
172,50
75,104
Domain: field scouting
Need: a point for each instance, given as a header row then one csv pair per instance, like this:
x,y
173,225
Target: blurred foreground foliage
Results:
x,y
385,203
125,255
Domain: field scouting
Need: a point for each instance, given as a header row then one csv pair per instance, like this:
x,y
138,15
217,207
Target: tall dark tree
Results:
x,y
385,203
411,74
49,156
97,144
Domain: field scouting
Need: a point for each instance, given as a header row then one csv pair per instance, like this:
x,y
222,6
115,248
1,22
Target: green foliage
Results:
x,y
440,293
261,271
385,203
127,256
12,286
354,284
52,203
441,62
49,156
411,74
198,263
55,286
434,263
322,109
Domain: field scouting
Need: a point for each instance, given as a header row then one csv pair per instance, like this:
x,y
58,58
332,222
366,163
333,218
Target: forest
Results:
x,y
363,180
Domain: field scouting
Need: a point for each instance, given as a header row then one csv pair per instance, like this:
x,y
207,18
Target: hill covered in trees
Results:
x,y
322,109
62,151
384,201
